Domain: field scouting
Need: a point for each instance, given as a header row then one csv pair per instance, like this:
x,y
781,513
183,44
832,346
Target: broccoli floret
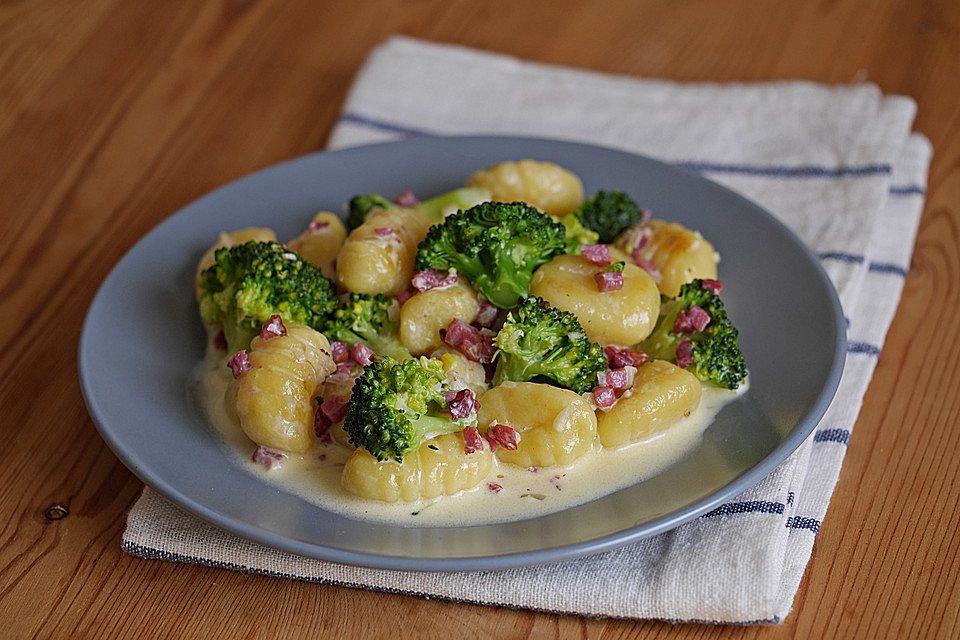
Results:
x,y
577,235
714,355
253,281
609,213
434,208
361,206
540,341
366,318
494,245
396,406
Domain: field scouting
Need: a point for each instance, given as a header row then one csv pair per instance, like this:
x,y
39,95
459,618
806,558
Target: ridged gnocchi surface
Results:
x,y
274,398
231,239
624,317
680,254
556,426
440,467
321,242
375,261
426,313
662,394
544,185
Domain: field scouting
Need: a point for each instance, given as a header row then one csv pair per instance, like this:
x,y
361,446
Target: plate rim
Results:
x,y
803,427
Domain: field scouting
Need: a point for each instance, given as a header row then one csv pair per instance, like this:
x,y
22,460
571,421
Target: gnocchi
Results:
x,y
544,185
377,256
321,242
679,254
662,394
425,314
624,317
556,426
440,467
274,398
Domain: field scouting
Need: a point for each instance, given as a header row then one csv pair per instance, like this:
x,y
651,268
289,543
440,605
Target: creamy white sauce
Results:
x,y
525,493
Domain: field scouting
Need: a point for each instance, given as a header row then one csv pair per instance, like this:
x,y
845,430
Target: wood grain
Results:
x,y
114,114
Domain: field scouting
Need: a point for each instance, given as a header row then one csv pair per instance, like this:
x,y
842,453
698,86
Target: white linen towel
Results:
x,y
838,165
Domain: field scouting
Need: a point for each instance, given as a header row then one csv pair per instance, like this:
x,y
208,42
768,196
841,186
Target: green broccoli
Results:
x,y
366,318
540,341
694,331
577,235
397,406
494,245
250,282
609,213
360,207
434,208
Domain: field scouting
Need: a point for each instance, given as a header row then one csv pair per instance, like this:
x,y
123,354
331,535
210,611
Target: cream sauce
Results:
x,y
525,493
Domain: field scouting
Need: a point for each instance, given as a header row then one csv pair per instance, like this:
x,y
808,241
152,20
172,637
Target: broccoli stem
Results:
x,y
389,347
462,199
429,427
238,332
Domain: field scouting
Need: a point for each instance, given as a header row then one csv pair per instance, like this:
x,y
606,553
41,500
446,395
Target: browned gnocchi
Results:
x,y
625,316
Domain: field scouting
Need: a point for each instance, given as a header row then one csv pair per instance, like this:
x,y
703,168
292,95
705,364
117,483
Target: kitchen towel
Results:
x,y
838,165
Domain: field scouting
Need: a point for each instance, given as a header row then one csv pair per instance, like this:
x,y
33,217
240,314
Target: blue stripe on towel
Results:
x,y
864,348
840,256
832,435
374,123
797,522
769,171
907,190
752,506
888,267
785,171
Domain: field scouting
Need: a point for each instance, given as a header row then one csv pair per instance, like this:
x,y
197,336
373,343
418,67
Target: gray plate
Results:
x,y
142,337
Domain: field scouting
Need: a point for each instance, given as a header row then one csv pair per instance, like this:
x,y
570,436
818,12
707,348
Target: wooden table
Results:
x,y
115,113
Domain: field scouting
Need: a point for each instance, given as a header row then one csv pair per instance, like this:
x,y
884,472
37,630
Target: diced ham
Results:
x,y
361,354
647,266
646,214
317,226
333,408
691,320
609,280
433,279
493,486
474,343
604,397
472,441
239,363
220,340
712,285
506,437
597,254
403,296
461,404
383,232
618,358
684,353
344,369
491,441
339,351
487,316
321,423
268,457
616,378
273,328
406,199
